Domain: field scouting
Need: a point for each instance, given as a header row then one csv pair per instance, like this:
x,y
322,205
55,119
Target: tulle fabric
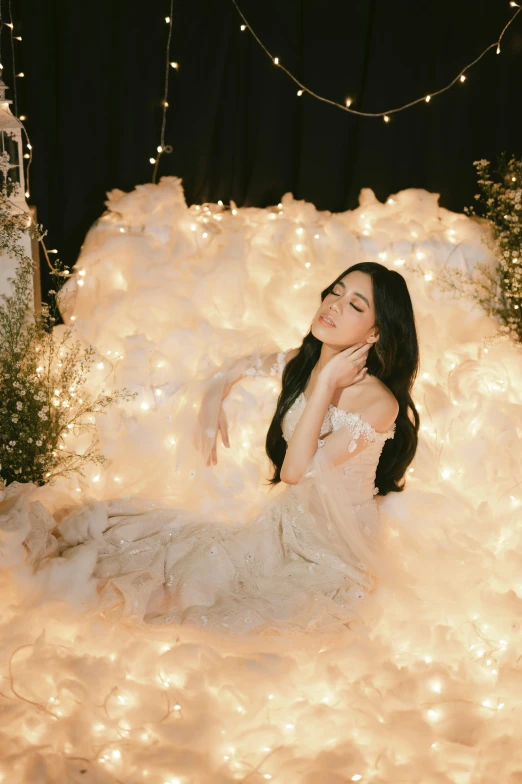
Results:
x,y
355,529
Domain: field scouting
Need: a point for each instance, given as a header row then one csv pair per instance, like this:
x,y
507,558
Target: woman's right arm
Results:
x,y
218,386
256,365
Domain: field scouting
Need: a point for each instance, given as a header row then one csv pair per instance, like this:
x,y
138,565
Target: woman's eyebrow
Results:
x,y
356,293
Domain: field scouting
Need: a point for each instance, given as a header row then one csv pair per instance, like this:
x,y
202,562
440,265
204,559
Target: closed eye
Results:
x,y
351,303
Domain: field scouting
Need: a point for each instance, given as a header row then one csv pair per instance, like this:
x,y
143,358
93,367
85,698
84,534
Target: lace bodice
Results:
x,y
334,419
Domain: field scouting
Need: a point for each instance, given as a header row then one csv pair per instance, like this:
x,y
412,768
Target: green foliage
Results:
x,y
43,400
499,205
497,289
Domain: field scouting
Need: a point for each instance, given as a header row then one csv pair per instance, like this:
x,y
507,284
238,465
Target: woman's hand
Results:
x,y
222,427
347,367
206,434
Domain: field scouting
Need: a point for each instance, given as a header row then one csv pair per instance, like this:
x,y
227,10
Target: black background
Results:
x,y
93,87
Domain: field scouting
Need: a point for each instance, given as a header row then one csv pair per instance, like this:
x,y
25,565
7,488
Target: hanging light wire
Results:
x,y
346,107
11,27
162,148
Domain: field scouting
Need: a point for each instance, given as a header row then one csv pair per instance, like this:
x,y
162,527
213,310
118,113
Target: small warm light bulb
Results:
x,y
29,146
498,49
300,92
243,27
167,19
386,118
462,78
23,117
348,102
276,60
428,98
165,103
152,160
21,74
175,66
159,148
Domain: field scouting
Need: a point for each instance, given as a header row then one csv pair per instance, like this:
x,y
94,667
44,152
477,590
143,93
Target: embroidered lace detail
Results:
x,y
275,370
256,370
336,418
279,366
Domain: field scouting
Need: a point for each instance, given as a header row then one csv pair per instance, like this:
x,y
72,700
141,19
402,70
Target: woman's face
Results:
x,y
350,307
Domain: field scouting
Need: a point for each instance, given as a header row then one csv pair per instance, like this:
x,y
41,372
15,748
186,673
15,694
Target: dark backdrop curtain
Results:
x,y
93,86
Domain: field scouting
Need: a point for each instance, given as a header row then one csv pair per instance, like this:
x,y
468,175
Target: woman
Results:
x,y
341,434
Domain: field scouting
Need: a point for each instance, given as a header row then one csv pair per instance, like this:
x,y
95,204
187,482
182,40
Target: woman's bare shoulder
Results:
x,y
373,400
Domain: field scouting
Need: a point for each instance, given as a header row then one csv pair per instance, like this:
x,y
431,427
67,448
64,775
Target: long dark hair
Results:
x,y
393,358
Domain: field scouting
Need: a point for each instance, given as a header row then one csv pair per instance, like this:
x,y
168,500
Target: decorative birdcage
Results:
x,y
12,186
11,149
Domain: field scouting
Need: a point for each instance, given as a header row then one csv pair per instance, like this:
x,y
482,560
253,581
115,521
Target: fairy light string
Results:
x,y
10,25
161,147
346,106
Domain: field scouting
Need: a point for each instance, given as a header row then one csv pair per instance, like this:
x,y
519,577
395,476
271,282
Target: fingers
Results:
x,y
359,350
212,458
224,433
223,427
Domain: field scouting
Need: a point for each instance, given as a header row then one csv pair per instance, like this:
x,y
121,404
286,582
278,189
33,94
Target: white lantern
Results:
x,y
12,174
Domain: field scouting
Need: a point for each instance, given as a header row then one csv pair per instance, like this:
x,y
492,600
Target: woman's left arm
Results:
x,y
303,442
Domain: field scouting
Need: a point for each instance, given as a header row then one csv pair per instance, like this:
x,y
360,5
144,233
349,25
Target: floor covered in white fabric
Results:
x,y
424,694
